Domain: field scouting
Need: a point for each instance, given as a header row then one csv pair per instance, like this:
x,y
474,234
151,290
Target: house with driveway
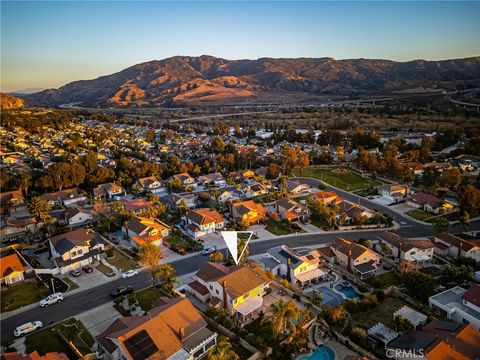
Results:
x,y
213,179
185,180
247,212
201,222
172,330
393,192
108,191
454,246
297,268
11,269
297,188
238,290
139,231
70,197
290,210
428,203
418,251
355,257
75,249
150,184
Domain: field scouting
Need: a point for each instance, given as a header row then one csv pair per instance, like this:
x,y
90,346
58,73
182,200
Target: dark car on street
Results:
x,y
122,290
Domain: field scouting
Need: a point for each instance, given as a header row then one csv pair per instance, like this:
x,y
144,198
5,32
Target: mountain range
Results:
x,y
8,101
206,79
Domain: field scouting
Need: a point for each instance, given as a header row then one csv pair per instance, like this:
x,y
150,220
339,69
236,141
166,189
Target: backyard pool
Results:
x,y
322,353
348,291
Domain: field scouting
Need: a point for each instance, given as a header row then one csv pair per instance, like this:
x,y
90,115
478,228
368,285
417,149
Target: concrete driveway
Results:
x,y
99,319
95,278
260,232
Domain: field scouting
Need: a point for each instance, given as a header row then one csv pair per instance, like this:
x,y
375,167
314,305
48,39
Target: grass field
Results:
x,y
22,294
49,339
349,180
122,262
382,313
419,214
277,228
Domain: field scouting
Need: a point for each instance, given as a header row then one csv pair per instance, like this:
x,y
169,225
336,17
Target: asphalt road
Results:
x,y
96,296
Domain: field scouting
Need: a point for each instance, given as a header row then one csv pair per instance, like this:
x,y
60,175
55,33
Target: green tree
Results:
x,y
440,224
282,314
150,256
39,206
216,257
223,350
165,273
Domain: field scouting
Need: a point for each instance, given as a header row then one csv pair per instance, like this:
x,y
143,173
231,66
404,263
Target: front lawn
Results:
x,y
383,313
71,284
277,227
341,178
121,261
50,340
145,298
22,294
419,214
104,269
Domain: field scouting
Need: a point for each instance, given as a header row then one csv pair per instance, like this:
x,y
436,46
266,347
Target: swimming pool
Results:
x,y
322,353
348,291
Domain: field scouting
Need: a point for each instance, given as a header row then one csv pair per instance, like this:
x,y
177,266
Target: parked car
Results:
x,y
75,273
27,328
122,290
51,299
129,273
209,250
87,268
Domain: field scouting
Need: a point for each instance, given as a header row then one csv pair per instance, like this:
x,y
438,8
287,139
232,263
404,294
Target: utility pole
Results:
x,y
53,285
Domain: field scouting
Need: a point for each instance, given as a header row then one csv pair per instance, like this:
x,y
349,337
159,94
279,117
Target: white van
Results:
x,y
51,299
27,328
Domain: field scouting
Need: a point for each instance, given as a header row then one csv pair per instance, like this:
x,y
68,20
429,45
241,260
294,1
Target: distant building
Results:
x,y
451,245
108,191
418,251
150,184
428,203
64,197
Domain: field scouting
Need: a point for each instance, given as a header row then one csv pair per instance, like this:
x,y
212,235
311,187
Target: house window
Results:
x,y
245,296
211,287
216,290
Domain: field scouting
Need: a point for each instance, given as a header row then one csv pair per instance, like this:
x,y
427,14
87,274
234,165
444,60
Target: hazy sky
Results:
x,y
48,44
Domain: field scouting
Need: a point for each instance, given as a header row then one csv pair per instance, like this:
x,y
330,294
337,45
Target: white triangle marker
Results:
x,y
231,240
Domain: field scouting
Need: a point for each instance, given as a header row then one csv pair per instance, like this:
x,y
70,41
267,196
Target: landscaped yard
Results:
x,y
22,294
387,279
49,339
419,214
72,285
277,227
104,269
341,178
145,298
121,261
383,313
180,242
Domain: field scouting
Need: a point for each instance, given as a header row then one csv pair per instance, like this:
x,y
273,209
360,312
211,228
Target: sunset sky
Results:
x,y
48,44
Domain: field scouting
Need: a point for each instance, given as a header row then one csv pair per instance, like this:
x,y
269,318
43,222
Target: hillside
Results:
x,y
189,80
10,102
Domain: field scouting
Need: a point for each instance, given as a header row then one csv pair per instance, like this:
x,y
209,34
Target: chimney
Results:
x,y
399,249
289,263
350,260
224,284
181,333
125,223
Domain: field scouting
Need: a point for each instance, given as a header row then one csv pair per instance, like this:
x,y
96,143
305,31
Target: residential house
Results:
x,y
17,229
290,210
185,180
228,196
76,216
179,200
68,197
393,192
254,190
354,213
109,191
14,201
418,251
174,330
454,246
242,175
136,206
76,248
11,269
200,222
151,184
213,179
328,197
428,203
299,269
139,230
247,212
239,291
459,304
34,356
355,257
297,188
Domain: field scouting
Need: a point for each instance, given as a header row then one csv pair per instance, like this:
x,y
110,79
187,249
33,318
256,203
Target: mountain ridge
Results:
x,y
207,79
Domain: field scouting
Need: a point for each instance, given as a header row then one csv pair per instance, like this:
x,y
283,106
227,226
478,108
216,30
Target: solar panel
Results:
x,y
140,346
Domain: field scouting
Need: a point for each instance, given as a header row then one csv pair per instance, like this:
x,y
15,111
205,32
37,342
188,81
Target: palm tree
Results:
x,y
281,314
166,273
39,206
222,351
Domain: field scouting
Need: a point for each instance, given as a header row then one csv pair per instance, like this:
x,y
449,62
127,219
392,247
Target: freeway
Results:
x,y
82,301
